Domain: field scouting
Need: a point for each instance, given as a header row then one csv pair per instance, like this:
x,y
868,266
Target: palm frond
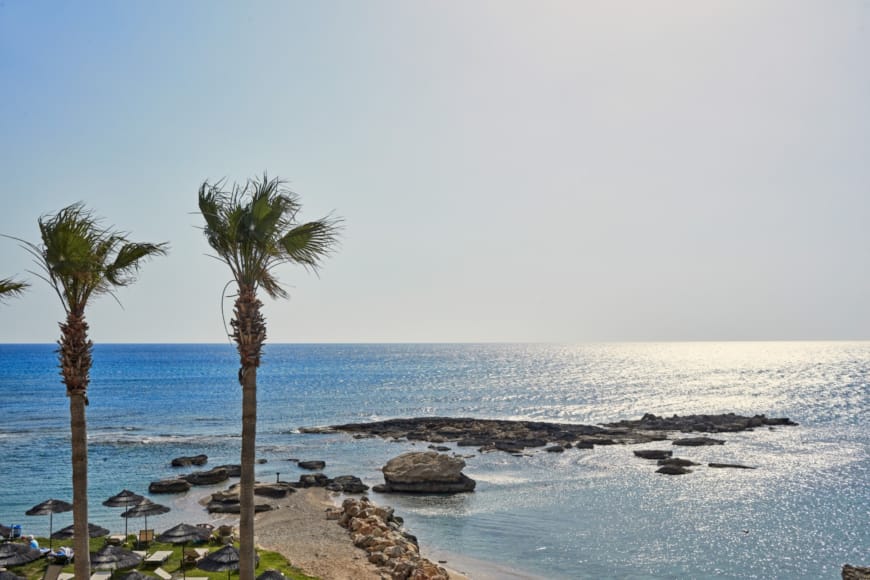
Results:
x,y
10,288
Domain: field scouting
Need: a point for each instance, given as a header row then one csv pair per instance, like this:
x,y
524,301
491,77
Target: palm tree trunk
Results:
x,y
249,334
75,364
246,488
79,434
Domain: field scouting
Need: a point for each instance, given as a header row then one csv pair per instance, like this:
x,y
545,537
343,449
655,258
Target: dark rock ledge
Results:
x,y
515,436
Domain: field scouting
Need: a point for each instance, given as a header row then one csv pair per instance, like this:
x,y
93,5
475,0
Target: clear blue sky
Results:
x,y
508,171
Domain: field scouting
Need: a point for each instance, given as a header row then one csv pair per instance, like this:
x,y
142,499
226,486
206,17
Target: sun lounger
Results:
x,y
66,576
158,557
52,572
163,573
101,575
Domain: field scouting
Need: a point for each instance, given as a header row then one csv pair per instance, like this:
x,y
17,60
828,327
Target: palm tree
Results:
x,y
81,260
253,228
10,288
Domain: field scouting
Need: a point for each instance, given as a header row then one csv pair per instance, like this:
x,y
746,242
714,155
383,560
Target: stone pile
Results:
x,y
379,532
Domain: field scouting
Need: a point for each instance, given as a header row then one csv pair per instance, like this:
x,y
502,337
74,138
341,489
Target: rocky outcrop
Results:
x,y
347,484
313,465
653,453
491,435
169,486
377,531
516,436
726,422
274,490
698,441
855,572
425,472
190,460
210,477
233,470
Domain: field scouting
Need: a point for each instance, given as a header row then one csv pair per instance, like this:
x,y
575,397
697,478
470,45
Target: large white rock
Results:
x,y
425,472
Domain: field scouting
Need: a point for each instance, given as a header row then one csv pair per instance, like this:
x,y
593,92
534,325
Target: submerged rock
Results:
x,y
653,453
731,465
673,470
678,461
698,441
313,465
191,460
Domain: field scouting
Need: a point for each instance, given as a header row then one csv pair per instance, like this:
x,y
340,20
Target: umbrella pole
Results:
x,y
125,522
50,526
183,570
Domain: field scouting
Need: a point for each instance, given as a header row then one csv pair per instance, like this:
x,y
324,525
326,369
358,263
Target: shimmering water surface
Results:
x,y
582,514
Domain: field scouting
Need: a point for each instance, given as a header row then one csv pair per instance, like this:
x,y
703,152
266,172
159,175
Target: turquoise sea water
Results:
x,y
582,514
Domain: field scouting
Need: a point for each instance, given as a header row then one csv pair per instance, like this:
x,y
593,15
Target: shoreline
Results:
x,y
297,528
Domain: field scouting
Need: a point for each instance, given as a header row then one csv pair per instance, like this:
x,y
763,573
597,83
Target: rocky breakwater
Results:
x,y
425,472
379,532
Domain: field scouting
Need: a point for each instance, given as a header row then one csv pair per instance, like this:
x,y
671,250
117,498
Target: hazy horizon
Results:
x,y
556,172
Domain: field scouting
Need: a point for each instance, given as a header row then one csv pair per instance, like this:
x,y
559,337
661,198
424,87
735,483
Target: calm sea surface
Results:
x,y
582,514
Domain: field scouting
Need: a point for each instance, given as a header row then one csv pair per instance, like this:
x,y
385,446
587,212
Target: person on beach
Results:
x,y
33,543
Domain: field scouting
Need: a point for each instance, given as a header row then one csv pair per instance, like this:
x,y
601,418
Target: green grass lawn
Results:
x,y
268,561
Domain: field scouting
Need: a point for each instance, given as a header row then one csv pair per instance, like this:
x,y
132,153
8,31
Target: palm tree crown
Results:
x,y
253,229
80,259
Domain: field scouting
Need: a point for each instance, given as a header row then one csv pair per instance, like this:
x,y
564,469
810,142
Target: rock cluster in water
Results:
x,y
516,436
227,501
379,532
183,483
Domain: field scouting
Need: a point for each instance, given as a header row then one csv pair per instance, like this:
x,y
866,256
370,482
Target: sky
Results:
x,y
537,171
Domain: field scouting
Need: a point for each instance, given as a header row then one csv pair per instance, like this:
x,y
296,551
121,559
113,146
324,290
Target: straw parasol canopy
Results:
x,y
125,498
48,508
94,531
114,558
5,531
272,575
15,554
182,534
145,508
7,575
227,558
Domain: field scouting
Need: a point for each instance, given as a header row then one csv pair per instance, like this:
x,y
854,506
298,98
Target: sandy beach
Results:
x,y
298,529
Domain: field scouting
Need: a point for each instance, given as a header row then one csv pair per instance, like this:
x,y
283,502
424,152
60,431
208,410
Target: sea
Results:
x,y
601,513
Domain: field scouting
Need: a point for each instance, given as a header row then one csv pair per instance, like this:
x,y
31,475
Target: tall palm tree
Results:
x,y
10,288
82,260
253,228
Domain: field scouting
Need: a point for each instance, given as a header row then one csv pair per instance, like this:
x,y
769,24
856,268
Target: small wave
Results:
x,y
127,439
